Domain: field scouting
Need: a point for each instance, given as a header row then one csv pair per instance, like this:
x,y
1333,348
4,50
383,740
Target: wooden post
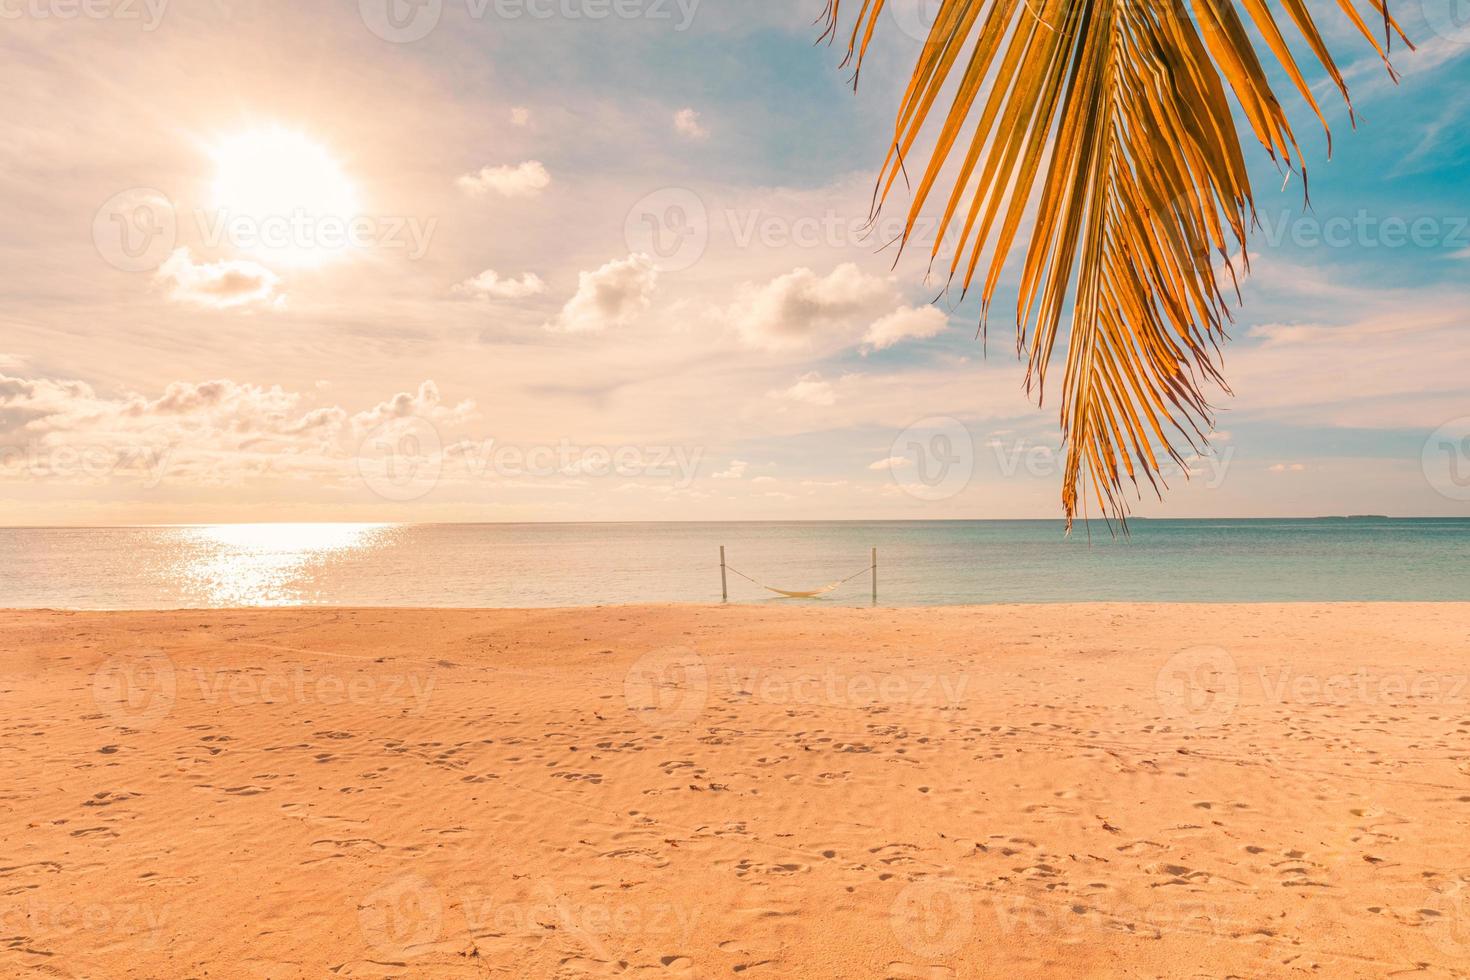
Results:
x,y
875,576
724,583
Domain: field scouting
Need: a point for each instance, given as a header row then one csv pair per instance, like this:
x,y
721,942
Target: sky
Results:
x,y
608,260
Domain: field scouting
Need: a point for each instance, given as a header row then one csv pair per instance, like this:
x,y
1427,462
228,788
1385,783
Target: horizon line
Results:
x,y
627,523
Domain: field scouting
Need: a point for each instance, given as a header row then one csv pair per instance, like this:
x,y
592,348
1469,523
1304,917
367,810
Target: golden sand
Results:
x,y
782,791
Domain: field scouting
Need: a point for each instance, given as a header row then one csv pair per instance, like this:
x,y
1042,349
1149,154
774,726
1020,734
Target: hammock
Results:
x,y
813,594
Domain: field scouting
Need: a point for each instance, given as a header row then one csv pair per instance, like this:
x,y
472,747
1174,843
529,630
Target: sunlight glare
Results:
x,y
280,195
267,564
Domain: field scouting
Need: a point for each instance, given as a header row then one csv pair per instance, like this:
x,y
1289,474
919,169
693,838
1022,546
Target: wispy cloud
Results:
x,y
909,323
490,285
811,389
690,124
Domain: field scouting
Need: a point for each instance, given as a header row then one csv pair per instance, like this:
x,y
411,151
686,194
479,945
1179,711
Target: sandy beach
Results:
x,y
1041,791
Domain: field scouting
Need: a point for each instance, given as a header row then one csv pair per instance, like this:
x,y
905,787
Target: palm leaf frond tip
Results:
x,y
1108,123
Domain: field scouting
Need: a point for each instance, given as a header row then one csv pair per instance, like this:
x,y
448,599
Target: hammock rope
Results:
x,y
814,594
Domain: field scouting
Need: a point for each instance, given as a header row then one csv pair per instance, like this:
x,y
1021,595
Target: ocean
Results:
x,y
919,563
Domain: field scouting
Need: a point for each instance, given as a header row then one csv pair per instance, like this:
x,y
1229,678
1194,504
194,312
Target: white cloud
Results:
x,y
218,285
891,463
490,285
523,180
613,296
1394,357
812,390
794,309
520,116
687,122
1288,468
43,404
736,470
205,433
910,322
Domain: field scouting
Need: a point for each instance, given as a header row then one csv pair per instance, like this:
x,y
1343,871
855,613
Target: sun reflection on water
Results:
x,y
267,564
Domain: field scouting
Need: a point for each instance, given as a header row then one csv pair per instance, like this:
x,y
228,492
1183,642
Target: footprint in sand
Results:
x,y
749,867
246,790
302,812
108,799
359,845
894,853
639,855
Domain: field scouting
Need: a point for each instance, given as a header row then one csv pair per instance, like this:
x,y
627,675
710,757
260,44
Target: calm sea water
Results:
x,y
556,565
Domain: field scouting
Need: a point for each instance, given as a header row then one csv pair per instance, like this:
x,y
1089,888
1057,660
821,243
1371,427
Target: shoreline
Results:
x,y
780,790
811,605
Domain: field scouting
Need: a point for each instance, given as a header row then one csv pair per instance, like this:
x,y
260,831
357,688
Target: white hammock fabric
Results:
x,y
812,594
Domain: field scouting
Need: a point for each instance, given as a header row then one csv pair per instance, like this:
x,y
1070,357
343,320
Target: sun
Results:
x,y
280,195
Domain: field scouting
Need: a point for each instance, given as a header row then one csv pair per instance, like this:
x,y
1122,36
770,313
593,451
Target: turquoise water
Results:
x,y
920,563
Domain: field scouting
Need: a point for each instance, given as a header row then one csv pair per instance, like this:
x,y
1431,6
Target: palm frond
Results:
x,y
1109,123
